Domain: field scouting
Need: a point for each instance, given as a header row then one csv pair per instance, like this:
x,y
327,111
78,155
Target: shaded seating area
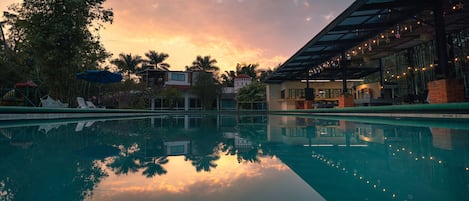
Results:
x,y
420,46
372,94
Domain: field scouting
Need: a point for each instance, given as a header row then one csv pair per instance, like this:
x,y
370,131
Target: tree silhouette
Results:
x,y
127,63
205,163
205,63
154,167
248,69
127,161
157,59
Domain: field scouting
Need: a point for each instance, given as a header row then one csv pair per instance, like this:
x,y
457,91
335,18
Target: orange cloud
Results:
x,y
231,31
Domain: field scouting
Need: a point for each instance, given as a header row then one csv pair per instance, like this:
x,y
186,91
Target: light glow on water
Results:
x,y
232,158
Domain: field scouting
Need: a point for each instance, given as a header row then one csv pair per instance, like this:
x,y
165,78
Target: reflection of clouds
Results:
x,y
182,178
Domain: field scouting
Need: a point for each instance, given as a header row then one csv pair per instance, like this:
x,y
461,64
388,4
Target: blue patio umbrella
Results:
x,y
99,76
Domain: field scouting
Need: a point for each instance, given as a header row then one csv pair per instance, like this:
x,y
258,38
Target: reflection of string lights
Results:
x,y
368,181
421,158
355,173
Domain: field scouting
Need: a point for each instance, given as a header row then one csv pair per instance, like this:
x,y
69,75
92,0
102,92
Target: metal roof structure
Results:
x,y
362,20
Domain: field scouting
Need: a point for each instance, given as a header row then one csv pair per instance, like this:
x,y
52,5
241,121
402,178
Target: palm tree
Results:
x,y
157,59
127,63
265,74
205,63
227,78
249,69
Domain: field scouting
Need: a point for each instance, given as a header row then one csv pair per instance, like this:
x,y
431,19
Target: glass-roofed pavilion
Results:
x,y
380,52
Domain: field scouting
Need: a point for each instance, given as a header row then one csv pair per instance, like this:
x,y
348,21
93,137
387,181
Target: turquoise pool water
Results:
x,y
203,157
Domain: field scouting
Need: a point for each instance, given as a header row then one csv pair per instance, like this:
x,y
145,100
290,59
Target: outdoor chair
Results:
x,y
48,101
90,104
81,103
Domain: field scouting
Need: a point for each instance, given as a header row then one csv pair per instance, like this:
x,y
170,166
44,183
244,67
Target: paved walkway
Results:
x,y
434,111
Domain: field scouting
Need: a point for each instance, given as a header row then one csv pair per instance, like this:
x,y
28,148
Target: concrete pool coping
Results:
x,y
435,111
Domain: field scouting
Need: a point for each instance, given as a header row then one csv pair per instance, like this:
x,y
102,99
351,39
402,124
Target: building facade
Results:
x,y
183,81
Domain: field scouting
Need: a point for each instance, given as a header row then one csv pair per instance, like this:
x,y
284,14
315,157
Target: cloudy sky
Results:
x,y
266,32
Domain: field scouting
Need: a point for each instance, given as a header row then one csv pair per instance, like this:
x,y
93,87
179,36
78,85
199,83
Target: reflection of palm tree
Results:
x,y
204,163
250,156
154,167
127,161
124,165
228,149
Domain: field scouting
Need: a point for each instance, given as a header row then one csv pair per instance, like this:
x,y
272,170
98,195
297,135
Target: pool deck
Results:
x,y
433,111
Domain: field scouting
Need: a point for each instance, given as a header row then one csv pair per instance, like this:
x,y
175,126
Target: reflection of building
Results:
x,y
310,132
174,148
241,144
398,163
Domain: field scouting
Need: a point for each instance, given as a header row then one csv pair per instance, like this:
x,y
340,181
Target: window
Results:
x,y
178,76
177,149
296,93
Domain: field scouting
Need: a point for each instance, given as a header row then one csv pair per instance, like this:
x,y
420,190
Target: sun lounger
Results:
x,y
48,101
90,104
81,103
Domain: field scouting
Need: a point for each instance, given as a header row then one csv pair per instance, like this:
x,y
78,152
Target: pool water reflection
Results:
x,y
202,157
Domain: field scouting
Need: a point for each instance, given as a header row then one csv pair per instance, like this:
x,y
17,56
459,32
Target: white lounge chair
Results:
x,y
90,104
81,103
48,101
82,124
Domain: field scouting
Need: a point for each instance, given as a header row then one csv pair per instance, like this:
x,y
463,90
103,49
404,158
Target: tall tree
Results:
x,y
171,95
60,38
205,63
127,63
248,69
157,59
207,89
264,74
227,78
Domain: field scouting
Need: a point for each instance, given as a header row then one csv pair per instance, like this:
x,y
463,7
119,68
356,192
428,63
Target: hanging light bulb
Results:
x,y
398,34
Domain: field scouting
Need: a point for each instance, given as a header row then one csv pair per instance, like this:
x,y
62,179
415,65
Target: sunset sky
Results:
x,y
266,32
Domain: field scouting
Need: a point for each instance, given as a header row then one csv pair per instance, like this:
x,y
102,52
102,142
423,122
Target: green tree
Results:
x,y
58,38
171,95
255,92
157,59
205,63
128,63
207,89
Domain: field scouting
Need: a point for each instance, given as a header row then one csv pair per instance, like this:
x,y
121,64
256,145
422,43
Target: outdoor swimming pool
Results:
x,y
227,157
